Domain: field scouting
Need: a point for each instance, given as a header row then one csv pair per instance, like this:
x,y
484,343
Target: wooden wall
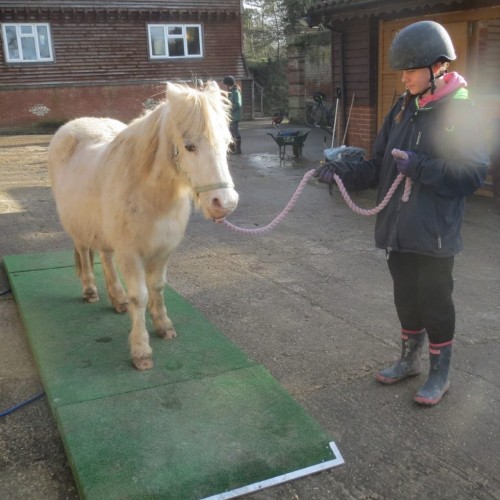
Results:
x,y
354,73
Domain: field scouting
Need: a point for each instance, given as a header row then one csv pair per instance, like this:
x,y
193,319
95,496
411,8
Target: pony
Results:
x,y
127,192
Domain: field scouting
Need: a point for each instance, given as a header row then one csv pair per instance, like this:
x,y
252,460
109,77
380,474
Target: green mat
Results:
x,y
206,421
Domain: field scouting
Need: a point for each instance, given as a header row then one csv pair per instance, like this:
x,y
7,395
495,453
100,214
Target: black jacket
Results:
x,y
450,161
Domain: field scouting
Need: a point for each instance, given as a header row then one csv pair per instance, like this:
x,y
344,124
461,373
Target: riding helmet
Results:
x,y
229,81
420,45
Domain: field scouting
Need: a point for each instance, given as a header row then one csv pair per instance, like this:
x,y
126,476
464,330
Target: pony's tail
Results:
x,y
78,261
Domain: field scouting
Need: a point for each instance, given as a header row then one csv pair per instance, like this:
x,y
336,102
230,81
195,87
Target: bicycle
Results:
x,y
318,113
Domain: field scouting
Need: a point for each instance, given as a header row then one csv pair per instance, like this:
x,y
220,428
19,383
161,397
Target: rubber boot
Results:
x,y
437,384
409,364
237,147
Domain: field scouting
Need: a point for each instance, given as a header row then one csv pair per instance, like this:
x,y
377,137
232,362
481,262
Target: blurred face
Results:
x,y
416,80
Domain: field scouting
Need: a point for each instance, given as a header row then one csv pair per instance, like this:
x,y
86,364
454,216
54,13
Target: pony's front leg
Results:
x,y
156,281
84,263
134,275
115,290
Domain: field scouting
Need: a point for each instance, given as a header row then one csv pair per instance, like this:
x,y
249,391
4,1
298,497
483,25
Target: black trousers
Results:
x,y
423,288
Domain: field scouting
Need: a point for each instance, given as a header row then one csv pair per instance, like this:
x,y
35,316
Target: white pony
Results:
x,y
127,191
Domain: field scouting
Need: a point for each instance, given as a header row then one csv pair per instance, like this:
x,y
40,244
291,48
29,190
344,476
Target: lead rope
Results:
x,y
280,217
383,203
343,192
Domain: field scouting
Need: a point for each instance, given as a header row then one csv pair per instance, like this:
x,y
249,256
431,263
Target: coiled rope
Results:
x,y
343,192
383,203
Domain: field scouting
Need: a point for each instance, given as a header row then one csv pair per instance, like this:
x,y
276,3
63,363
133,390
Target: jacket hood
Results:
x,y
453,82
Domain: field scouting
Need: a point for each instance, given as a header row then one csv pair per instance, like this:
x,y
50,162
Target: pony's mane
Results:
x,y
199,112
185,114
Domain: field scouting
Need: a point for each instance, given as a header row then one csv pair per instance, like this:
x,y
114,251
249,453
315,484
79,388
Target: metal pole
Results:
x,y
348,118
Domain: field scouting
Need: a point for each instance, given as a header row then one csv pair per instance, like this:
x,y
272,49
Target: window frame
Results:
x,y
37,45
166,37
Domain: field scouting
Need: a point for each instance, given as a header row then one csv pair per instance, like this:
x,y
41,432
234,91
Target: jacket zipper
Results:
x,y
418,140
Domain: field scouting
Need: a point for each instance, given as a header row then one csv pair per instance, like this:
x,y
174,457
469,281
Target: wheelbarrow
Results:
x,y
284,138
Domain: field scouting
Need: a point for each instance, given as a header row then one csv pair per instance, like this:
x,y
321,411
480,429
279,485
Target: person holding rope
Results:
x,y
432,136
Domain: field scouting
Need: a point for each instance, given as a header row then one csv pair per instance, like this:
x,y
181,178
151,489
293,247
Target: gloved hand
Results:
x,y
324,173
403,160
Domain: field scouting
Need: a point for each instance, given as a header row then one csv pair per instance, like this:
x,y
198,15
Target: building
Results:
x,y
348,50
60,60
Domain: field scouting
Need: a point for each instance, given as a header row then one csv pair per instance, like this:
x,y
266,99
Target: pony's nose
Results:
x,y
223,204
218,203
224,208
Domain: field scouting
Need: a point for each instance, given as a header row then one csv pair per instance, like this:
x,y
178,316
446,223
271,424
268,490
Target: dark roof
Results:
x,y
340,10
113,10
125,4
183,5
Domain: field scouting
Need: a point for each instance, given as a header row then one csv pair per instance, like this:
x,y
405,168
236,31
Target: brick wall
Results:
x,y
361,129
59,104
101,58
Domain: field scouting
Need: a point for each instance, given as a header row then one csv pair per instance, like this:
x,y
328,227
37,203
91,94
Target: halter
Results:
x,y
200,189
211,187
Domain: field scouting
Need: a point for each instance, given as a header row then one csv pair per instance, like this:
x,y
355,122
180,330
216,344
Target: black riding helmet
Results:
x,y
420,45
229,81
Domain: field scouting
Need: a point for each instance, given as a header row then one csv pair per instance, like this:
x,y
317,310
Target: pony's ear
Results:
x,y
212,86
172,90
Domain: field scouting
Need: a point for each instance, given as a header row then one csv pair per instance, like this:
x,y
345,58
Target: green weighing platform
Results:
x,y
205,422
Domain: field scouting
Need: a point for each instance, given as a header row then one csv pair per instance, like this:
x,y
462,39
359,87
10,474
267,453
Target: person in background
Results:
x,y
432,135
234,95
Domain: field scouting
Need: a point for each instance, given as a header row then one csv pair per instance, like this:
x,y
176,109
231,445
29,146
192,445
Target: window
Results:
x,y
27,42
171,41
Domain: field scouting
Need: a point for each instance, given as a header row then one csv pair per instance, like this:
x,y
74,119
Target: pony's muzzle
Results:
x,y
219,203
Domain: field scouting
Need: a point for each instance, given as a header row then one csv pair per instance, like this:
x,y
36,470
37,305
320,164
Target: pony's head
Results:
x,y
201,142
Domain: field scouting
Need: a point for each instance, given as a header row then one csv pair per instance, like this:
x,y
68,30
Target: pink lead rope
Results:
x,y
383,203
343,192
280,217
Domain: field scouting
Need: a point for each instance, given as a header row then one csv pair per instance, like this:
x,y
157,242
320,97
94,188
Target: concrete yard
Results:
x,y
312,302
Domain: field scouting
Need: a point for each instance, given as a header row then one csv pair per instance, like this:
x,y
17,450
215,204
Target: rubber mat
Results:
x,y
205,422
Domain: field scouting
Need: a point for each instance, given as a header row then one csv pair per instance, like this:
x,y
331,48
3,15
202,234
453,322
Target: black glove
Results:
x,y
324,173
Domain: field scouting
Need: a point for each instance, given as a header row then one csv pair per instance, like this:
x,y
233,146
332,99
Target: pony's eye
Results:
x,y
190,147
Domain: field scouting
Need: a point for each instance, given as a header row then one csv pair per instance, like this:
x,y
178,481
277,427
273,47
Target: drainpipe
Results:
x,y
340,37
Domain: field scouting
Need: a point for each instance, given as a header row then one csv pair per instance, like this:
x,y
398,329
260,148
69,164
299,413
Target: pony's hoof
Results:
x,y
143,363
168,334
90,296
121,308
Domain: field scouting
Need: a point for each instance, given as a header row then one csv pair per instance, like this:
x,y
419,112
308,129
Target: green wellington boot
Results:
x,y
437,384
409,363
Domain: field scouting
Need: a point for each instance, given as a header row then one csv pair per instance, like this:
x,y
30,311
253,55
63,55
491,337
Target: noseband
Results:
x,y
211,187
200,189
